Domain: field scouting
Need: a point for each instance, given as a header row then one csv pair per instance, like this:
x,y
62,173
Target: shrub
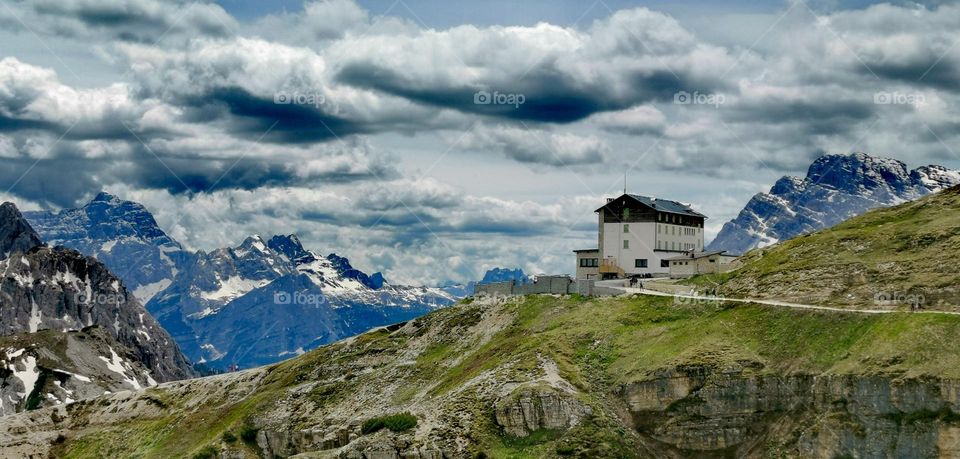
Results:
x,y
249,433
394,422
229,437
208,452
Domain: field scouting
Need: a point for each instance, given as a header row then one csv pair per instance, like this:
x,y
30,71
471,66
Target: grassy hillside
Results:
x,y
887,258
462,372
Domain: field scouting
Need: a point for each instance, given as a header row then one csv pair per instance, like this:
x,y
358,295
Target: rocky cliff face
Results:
x,y
61,291
741,412
51,368
837,187
121,234
16,236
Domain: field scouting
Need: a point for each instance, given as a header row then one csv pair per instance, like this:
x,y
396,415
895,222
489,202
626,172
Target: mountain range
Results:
x,y
836,187
256,303
265,301
69,328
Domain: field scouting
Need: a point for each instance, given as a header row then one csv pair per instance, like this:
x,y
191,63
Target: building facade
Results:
x,y
638,234
588,263
694,263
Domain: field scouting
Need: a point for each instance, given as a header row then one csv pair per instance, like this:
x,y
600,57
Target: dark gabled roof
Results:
x,y
663,205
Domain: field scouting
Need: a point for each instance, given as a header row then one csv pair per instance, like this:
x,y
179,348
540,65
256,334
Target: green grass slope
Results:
x,y
888,258
438,382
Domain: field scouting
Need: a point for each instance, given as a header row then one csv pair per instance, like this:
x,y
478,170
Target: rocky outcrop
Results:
x,y
744,412
51,368
530,409
16,235
60,289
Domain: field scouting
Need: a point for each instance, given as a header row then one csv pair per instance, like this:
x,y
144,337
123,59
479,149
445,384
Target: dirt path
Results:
x,y
782,304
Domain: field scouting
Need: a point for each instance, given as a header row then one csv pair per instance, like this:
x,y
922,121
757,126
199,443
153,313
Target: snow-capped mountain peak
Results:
x,y
836,187
280,288
122,234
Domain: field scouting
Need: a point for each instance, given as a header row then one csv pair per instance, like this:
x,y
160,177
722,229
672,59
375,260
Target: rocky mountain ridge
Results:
x,y
268,300
63,292
121,234
836,188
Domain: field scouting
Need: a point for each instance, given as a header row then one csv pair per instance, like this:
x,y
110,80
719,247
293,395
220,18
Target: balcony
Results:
x,y
609,266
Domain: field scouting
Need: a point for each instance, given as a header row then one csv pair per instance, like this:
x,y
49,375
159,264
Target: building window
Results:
x,y
626,214
626,244
640,263
626,228
664,264
589,262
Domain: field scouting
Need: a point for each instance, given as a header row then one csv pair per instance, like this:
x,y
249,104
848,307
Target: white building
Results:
x,y
638,234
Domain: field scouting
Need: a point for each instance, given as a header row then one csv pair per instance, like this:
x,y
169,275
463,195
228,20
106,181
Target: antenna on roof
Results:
x,y
624,182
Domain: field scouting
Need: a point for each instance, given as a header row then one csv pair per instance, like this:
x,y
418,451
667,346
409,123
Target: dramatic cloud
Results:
x,y
434,152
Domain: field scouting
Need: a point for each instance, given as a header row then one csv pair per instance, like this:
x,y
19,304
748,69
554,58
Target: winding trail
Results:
x,y
776,303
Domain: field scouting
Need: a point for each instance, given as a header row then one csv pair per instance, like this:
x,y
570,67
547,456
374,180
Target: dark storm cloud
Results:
x,y
814,115
940,74
265,119
547,94
51,182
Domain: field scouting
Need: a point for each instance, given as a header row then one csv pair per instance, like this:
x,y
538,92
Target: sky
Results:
x,y
433,140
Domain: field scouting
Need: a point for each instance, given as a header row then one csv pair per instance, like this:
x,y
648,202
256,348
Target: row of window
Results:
x,y
673,230
668,218
674,245
589,262
643,263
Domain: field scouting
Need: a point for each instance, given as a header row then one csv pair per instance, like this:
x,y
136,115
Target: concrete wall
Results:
x,y
554,285
494,289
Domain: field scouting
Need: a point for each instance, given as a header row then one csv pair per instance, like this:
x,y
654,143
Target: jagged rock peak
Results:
x,y
16,234
345,269
503,275
105,196
291,247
